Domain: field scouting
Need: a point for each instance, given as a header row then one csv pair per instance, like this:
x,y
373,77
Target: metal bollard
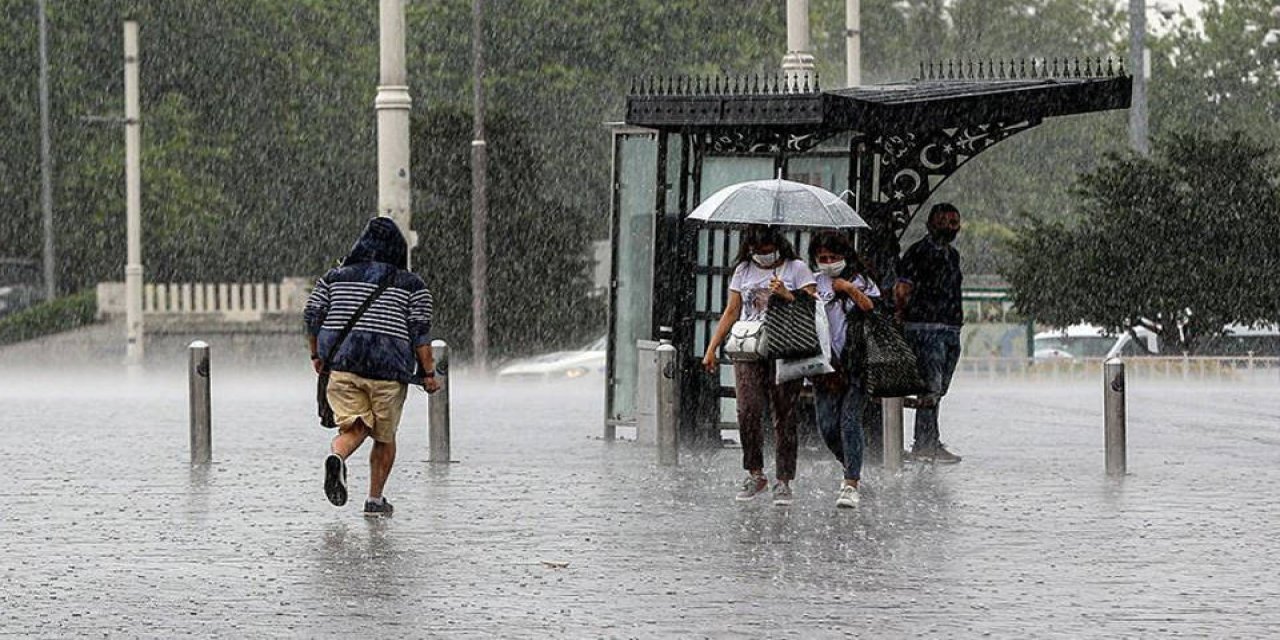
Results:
x,y
1113,402
200,406
891,409
438,407
668,407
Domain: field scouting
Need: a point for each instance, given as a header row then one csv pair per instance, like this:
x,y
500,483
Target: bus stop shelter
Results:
x,y
889,145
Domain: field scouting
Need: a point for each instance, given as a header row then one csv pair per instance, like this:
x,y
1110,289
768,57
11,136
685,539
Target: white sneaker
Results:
x,y
782,493
849,497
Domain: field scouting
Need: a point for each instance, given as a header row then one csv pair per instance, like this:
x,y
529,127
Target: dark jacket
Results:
x,y
933,271
380,346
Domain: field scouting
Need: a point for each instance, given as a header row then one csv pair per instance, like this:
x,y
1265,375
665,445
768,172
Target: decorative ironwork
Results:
x,y
912,165
762,142
716,86
1023,69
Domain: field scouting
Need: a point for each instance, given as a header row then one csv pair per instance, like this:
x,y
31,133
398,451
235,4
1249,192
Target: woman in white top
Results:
x,y
767,266
839,398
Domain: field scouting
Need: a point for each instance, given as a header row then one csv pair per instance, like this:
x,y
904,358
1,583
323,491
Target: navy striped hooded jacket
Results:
x,y
380,346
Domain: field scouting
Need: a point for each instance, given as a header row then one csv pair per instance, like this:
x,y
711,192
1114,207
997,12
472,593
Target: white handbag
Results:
x,y
747,341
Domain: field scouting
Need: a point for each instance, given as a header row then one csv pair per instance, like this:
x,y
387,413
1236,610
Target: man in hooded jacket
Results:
x,y
373,366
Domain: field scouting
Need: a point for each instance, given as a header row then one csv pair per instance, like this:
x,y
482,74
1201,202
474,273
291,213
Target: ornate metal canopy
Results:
x,y
953,93
908,136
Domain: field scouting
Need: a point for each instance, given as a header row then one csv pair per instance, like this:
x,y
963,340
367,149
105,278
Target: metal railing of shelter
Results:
x,y
1021,69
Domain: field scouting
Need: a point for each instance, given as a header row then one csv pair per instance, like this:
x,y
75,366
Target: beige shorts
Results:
x,y
376,403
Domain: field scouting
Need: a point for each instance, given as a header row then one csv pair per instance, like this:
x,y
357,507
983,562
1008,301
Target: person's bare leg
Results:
x,y
346,442
381,459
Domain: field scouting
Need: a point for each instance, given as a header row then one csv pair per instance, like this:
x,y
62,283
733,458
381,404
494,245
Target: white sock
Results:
x,y
378,500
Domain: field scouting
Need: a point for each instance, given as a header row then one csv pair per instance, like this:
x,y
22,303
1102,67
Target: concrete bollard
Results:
x,y
200,406
891,409
668,407
1113,403
438,407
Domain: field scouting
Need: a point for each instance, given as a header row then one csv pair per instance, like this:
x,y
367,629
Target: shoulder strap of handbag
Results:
x,y
355,317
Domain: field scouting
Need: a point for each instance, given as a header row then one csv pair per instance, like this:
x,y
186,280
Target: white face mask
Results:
x,y
765,260
832,269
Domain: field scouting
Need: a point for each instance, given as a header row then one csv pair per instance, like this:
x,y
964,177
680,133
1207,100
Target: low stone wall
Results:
x,y
224,302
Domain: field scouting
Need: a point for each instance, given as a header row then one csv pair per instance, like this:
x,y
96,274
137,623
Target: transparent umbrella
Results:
x,y
779,203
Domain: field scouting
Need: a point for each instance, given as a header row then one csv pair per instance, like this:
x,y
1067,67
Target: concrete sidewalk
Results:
x,y
107,532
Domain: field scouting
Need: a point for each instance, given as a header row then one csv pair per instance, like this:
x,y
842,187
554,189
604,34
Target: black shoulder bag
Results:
x,y
889,366
322,384
791,328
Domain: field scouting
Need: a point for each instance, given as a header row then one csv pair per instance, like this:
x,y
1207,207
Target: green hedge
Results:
x,y
62,314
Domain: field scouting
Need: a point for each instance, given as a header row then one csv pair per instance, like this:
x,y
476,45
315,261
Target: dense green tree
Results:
x,y
1220,72
1183,242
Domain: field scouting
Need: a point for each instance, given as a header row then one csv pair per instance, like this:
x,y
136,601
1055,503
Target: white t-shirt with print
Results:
x,y
838,308
753,283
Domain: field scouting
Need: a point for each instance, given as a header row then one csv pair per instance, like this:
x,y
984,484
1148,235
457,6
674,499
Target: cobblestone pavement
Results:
x,y
107,532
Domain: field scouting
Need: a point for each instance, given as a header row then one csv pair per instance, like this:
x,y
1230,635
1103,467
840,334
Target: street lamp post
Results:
x,y
1140,63
46,161
797,65
479,197
392,105
133,199
1137,62
853,43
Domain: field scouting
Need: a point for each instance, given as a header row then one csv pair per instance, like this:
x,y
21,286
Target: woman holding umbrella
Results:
x,y
766,266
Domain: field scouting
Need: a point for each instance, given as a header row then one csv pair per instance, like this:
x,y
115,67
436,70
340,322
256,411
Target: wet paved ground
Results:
x,y
107,532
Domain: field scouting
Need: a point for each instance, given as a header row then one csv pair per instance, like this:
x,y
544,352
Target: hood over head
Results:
x,y
381,241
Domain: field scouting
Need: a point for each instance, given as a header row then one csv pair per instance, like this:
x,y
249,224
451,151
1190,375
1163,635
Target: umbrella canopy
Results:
x,y
779,203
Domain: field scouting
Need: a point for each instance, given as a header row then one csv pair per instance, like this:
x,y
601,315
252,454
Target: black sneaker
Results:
x,y
937,453
375,510
335,479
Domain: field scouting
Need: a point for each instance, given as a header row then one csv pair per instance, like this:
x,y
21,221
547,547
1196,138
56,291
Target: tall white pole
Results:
x,y
133,199
853,43
479,198
1138,67
46,161
797,65
392,105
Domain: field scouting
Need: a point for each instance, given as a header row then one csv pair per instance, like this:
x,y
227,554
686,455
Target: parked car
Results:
x,y
1075,341
1236,341
19,284
560,365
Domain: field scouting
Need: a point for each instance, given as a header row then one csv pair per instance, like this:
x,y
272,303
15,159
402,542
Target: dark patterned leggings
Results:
x,y
755,387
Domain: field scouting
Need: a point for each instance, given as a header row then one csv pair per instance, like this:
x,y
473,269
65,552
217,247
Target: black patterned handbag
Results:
x,y
888,363
791,328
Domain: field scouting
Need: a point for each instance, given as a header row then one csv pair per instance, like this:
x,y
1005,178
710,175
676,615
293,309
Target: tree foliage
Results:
x,y
539,284
1221,72
1183,242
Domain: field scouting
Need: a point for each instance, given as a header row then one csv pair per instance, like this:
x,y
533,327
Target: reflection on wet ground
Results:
x,y
544,529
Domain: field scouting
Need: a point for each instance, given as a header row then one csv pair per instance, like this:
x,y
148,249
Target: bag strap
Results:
x,y
355,317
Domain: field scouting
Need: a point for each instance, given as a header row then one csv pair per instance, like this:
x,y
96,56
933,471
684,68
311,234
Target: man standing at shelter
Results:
x,y
927,301
369,324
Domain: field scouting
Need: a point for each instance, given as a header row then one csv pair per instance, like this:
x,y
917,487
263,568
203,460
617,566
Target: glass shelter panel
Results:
x,y
636,159
827,171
